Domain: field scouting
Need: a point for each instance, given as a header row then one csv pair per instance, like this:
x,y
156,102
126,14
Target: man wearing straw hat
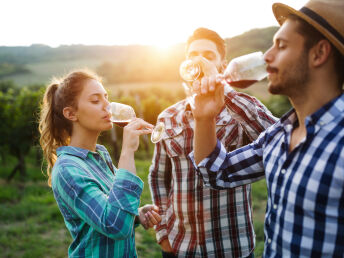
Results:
x,y
302,155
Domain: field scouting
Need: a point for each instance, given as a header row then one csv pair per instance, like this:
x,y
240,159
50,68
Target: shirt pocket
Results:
x,y
175,142
229,132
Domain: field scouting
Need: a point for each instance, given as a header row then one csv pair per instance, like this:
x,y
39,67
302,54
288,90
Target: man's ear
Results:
x,y
320,53
70,114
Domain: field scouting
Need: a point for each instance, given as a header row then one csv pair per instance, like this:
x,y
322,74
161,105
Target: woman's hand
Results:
x,y
149,216
131,134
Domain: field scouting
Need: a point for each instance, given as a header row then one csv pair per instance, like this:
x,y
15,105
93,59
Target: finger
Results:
x,y
156,216
219,92
143,131
220,78
140,127
146,208
143,219
151,218
139,123
204,85
149,207
133,123
145,226
212,83
155,208
196,85
145,124
149,223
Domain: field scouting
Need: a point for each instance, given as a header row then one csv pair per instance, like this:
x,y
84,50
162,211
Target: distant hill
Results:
x,y
117,64
250,41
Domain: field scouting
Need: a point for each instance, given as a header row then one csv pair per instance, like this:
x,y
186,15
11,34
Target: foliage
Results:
x,y
5,86
278,105
18,112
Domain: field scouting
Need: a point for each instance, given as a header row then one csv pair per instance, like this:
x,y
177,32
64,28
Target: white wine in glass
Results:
x,y
122,114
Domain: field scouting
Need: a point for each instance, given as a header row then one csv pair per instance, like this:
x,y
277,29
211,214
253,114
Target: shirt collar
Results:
x,y
328,112
322,116
76,151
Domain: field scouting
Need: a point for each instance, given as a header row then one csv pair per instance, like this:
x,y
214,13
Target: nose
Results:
x,y
268,57
107,106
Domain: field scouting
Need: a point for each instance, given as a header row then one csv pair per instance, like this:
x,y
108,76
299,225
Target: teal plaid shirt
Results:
x,y
98,207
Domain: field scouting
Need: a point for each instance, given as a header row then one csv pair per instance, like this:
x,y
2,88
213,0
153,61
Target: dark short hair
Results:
x,y
203,33
312,36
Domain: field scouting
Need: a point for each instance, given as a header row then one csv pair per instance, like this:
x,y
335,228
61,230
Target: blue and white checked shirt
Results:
x,y
305,208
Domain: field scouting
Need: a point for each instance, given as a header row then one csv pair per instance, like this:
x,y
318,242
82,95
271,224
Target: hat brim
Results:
x,y
282,11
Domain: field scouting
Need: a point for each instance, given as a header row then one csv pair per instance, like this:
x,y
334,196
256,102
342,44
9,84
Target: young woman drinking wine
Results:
x,y
99,202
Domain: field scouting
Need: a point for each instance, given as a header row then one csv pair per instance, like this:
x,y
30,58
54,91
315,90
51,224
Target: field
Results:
x,y
32,226
42,72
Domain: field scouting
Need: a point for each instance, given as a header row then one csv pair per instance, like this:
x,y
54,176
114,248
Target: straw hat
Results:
x,y
327,16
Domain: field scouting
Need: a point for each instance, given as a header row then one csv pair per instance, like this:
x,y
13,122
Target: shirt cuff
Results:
x,y
215,159
137,221
161,229
161,235
126,191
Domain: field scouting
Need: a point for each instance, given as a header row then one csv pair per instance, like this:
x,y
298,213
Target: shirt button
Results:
x,y
275,206
269,240
283,171
321,123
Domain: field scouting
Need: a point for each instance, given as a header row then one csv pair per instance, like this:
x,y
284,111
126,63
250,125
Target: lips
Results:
x,y
270,69
107,117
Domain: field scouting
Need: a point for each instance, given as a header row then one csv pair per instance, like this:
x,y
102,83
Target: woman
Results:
x,y
99,202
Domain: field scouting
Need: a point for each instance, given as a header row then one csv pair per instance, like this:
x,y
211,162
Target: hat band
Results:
x,y
320,20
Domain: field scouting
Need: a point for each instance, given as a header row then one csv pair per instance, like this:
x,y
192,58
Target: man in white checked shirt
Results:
x,y
302,155
198,221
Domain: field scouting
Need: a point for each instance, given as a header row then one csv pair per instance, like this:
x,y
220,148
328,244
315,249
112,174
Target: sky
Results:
x,y
161,23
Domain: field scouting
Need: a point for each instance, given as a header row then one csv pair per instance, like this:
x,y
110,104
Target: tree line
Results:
x,y
19,114
133,63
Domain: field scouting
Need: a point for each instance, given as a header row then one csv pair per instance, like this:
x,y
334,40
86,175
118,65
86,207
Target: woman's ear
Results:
x,y
320,53
70,114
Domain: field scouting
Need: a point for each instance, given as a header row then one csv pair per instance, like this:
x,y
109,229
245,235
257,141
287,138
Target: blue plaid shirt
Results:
x,y
305,208
98,206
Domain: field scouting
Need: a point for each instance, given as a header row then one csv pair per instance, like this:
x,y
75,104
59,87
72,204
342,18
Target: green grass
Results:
x,y
31,224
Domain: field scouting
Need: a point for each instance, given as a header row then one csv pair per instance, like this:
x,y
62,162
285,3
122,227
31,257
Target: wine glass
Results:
x,y
122,114
193,69
245,70
241,72
190,70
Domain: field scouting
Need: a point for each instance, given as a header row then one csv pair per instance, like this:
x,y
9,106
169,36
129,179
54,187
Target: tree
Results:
x,y
19,129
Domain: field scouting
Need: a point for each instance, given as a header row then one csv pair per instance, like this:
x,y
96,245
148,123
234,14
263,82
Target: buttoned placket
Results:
x,y
284,162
